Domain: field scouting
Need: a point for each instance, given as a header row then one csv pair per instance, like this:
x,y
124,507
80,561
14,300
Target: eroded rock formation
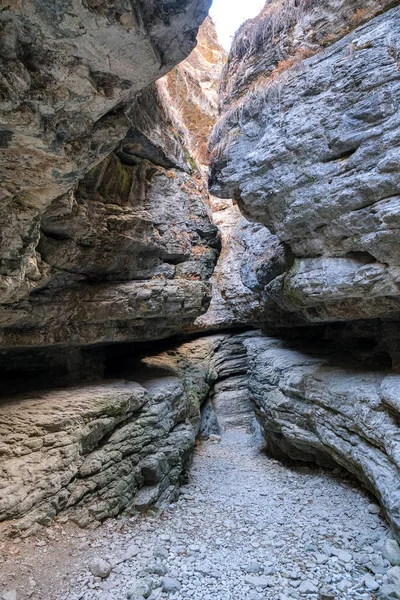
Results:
x,y
89,451
69,75
307,144
135,234
311,154
127,254
108,237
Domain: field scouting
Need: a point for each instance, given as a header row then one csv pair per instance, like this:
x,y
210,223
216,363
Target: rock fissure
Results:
x,y
149,319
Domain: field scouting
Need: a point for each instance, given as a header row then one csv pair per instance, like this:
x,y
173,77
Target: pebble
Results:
x,y
9,595
139,588
307,587
246,527
170,585
257,582
100,567
374,509
344,556
371,583
391,551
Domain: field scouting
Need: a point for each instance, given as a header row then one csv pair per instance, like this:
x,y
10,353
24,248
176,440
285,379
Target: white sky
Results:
x,y
228,15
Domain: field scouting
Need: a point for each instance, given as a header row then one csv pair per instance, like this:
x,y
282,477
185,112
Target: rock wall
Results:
x,y
307,145
317,404
68,73
120,443
128,252
92,451
310,152
135,233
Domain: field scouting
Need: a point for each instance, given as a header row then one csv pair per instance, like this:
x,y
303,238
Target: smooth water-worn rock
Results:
x,y
311,153
322,406
233,303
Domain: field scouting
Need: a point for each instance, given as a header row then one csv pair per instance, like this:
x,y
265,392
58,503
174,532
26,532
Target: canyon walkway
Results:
x,y
245,527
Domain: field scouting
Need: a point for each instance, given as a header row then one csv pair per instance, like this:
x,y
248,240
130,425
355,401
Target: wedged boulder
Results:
x,y
322,406
233,302
311,152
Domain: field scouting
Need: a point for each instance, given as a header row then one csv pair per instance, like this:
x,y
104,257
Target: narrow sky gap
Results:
x,y
228,15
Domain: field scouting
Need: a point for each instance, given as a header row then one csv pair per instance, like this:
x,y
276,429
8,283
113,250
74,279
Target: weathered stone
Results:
x,y
137,234
87,450
100,567
285,33
69,72
321,406
311,154
391,551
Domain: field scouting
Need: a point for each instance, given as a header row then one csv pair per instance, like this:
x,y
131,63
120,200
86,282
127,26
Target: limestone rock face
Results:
x,y
92,451
311,154
123,443
128,253
192,88
69,74
285,33
233,303
215,370
325,407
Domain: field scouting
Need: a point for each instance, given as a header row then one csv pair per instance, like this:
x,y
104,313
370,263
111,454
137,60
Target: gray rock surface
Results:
x,y
311,154
235,301
285,33
93,451
239,509
69,71
321,406
135,233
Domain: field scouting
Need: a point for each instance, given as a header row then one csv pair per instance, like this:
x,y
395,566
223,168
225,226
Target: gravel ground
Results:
x,y
245,527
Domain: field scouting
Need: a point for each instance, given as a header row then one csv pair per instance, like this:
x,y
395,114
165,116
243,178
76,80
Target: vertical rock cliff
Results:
x,y
307,145
70,74
128,246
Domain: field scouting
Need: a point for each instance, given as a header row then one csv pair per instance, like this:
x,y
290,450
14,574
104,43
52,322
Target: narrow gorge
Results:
x,y
199,301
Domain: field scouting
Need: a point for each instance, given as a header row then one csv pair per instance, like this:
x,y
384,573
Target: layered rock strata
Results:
x,y
69,77
124,443
92,451
323,406
307,145
136,235
68,73
216,367
129,251
311,154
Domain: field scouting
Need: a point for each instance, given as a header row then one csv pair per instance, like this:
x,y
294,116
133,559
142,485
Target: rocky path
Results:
x,y
245,527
